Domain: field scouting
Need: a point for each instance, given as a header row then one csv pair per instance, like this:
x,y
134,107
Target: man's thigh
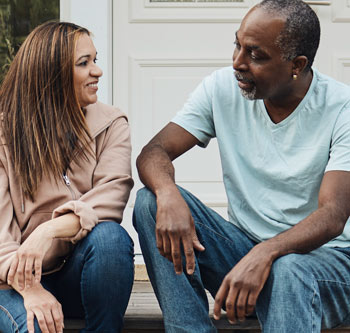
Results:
x,y
316,280
225,244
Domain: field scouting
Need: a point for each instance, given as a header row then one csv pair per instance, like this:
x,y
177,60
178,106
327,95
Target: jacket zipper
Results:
x,y
68,183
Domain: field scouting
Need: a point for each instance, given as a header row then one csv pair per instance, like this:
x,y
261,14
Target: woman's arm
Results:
x,y
111,183
29,256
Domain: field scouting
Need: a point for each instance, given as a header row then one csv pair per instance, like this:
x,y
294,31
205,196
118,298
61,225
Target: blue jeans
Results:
x,y
303,291
95,283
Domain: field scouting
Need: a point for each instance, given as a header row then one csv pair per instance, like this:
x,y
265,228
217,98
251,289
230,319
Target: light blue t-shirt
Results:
x,y
272,172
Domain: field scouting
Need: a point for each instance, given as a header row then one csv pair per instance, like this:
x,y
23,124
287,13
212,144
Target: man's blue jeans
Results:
x,y
303,291
95,283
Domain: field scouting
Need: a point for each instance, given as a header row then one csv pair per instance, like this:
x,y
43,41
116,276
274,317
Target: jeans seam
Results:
x,y
214,232
10,317
333,281
313,307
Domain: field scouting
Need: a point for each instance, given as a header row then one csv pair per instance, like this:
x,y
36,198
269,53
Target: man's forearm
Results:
x,y
155,168
317,229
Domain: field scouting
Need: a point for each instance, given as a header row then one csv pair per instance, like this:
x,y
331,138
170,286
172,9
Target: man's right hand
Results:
x,y
44,306
175,230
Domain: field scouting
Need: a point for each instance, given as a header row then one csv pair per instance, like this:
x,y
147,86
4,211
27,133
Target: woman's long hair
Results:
x,y
42,121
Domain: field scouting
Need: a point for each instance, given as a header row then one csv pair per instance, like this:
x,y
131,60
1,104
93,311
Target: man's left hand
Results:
x,y
243,284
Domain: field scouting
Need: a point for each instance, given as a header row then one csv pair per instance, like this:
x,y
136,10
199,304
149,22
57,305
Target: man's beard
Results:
x,y
250,95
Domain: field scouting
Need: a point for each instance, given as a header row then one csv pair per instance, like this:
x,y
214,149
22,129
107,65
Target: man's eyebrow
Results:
x,y
250,47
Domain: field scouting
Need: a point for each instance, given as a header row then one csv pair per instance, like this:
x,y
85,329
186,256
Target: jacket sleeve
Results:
x,y
10,233
111,184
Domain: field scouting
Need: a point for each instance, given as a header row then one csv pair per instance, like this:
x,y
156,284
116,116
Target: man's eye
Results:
x,y
237,45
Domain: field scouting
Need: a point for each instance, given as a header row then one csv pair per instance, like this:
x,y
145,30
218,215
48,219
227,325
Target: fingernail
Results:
x,y
232,322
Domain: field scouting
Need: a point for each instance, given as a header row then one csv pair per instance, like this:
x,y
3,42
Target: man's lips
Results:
x,y
244,83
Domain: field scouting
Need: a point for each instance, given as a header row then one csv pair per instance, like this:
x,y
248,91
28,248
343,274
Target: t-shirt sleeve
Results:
x,y
339,156
196,116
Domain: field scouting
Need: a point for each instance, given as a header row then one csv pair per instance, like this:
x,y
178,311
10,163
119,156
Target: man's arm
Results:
x,y
175,224
242,285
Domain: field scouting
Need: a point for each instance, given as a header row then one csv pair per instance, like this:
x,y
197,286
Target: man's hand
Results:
x,y
29,258
243,284
44,306
175,230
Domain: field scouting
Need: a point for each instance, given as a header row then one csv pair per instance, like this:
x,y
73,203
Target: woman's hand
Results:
x,y
29,257
44,306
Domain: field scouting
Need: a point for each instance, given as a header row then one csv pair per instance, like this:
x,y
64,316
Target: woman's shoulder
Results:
x,y
99,116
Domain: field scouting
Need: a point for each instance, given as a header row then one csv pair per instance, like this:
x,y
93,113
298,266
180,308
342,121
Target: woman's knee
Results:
x,y
110,239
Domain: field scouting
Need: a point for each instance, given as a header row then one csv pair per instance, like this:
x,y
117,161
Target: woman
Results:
x,y
64,182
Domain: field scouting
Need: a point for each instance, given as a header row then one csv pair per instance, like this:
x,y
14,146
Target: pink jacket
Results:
x,y
96,191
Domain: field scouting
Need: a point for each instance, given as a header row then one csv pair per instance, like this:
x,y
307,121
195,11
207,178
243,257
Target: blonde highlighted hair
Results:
x,y
43,124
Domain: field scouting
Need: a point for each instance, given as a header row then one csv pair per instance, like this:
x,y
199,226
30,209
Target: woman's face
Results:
x,y
86,72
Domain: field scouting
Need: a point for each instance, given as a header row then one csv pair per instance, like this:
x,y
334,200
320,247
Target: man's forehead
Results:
x,y
260,27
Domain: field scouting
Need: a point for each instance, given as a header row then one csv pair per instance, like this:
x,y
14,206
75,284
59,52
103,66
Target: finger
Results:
x,y
176,254
30,321
189,255
167,247
251,302
57,315
20,272
37,269
41,321
231,305
12,270
159,242
50,321
196,243
219,299
241,305
28,271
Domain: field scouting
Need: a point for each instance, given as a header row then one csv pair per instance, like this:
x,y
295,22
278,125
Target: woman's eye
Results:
x,y
84,63
95,60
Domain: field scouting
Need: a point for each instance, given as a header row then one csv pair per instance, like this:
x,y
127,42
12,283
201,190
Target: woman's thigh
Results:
x,y
13,315
90,265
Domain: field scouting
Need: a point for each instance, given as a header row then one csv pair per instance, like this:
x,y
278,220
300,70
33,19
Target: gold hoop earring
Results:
x,y
295,77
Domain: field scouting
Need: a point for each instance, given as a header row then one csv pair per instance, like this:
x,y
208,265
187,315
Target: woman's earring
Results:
x,y
295,77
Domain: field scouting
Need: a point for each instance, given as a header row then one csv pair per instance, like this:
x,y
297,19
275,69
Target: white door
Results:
x,y
161,51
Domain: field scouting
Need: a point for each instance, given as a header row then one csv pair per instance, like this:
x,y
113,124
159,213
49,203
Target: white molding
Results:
x,y
98,20
341,10
340,66
65,10
142,11
180,62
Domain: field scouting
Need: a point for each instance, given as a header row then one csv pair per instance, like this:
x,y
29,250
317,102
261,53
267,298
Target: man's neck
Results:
x,y
280,108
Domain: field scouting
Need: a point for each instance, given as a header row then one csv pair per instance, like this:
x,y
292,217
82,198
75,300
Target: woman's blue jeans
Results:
x,y
95,283
302,293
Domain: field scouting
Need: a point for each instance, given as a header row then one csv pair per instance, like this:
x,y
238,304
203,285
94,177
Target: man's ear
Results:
x,y
299,64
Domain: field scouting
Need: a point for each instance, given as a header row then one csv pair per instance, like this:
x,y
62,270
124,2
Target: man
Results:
x,y
283,131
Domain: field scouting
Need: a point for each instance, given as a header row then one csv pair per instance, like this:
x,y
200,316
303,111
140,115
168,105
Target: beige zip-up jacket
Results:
x,y
97,190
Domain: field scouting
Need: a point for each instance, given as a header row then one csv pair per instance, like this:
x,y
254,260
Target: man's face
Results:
x,y
259,68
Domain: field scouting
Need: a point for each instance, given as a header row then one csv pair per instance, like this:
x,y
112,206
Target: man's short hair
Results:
x,y
301,34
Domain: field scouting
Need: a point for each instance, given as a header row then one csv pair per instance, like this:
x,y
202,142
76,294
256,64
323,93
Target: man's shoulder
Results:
x,y
332,88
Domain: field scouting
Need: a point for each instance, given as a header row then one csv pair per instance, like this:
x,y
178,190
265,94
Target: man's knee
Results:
x,y
289,271
145,209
